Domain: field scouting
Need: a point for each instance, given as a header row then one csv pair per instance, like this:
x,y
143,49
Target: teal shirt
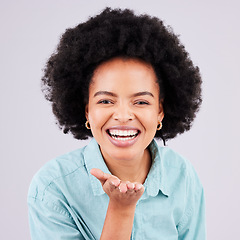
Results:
x,y
66,202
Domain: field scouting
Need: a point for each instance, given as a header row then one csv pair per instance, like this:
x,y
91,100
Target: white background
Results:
x,y
29,137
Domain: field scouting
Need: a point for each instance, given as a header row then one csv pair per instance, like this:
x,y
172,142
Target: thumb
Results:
x,y
100,175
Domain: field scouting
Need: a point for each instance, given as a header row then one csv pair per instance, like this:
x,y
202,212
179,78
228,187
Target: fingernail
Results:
x,y
113,183
139,187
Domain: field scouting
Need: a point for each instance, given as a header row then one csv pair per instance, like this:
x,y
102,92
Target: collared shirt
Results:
x,y
66,202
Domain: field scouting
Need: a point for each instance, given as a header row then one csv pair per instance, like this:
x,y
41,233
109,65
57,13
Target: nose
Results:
x,y
123,113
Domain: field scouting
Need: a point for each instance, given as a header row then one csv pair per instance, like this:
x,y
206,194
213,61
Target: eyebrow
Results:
x,y
115,95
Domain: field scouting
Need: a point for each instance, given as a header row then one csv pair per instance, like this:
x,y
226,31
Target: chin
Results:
x,y
124,155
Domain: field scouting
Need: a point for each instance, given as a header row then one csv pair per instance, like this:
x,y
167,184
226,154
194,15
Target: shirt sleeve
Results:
x,y
192,224
49,221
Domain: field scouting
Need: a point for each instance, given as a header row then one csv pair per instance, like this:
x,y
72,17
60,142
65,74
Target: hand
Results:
x,y
121,193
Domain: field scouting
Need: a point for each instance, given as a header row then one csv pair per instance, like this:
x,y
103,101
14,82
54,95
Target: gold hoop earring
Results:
x,y
159,126
87,125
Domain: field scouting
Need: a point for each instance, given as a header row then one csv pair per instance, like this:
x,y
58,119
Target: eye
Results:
x,y
142,103
104,101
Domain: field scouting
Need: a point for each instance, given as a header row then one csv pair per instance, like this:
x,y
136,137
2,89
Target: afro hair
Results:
x,y
113,33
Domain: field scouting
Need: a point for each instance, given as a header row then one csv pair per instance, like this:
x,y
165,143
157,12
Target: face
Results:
x,y
124,108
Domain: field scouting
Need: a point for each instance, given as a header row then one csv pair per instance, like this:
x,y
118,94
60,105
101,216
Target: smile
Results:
x,y
122,134
123,137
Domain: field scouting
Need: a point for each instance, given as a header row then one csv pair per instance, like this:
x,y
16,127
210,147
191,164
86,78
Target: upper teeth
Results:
x,y
122,132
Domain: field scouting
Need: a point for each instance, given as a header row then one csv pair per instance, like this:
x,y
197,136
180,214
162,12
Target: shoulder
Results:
x,y
172,159
55,170
178,170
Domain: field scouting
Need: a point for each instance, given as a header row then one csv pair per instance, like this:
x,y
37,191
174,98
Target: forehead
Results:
x,y
126,74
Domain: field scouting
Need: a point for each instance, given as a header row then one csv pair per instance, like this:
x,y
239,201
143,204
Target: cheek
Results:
x,y
98,117
152,122
148,116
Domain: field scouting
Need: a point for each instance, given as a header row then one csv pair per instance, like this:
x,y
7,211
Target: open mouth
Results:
x,y
122,135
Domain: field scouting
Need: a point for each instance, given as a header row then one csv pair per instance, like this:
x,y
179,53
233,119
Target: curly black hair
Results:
x,y
113,33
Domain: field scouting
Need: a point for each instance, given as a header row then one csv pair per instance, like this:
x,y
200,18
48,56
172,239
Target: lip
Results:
x,y
121,127
125,143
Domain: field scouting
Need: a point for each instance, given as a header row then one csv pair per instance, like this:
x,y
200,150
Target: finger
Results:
x,y
114,181
130,186
111,184
122,187
100,175
138,187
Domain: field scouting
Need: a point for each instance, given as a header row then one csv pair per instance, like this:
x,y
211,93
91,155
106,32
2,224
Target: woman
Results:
x,y
123,80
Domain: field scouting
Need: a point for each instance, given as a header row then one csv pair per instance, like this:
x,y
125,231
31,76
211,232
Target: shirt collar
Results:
x,y
93,159
156,179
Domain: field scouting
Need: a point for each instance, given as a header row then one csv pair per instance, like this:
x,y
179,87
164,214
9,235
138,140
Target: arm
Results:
x,y
192,224
123,197
49,221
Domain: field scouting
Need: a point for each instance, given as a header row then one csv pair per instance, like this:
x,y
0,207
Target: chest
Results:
x,y
155,217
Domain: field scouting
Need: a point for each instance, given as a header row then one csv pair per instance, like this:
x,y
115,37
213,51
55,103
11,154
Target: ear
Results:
x,y
161,111
86,111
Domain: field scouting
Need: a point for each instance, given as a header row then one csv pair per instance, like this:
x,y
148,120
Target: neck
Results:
x,y
135,170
